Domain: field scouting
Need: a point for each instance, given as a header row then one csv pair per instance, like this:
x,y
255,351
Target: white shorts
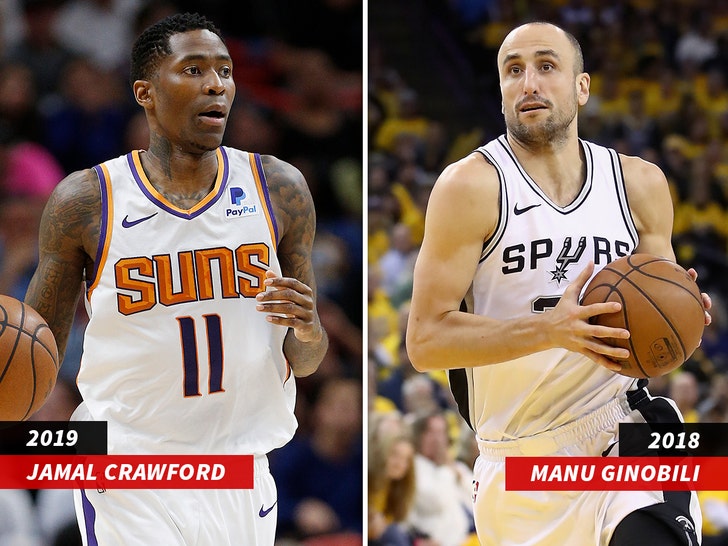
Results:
x,y
180,517
564,518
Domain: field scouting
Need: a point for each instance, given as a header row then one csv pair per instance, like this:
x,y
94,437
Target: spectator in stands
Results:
x,y
441,508
87,124
697,45
83,25
381,317
408,120
38,49
685,392
714,505
419,394
636,132
319,474
714,408
391,483
19,108
28,174
397,264
320,129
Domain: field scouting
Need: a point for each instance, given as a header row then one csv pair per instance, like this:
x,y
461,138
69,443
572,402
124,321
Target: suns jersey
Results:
x,y
176,358
537,249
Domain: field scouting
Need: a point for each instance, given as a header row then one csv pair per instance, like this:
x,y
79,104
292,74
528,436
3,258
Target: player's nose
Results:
x,y
531,81
214,84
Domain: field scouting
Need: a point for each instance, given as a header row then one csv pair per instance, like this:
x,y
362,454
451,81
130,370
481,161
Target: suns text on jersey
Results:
x,y
190,275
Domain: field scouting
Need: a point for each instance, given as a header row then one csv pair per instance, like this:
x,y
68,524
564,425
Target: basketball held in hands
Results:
x,y
661,307
28,360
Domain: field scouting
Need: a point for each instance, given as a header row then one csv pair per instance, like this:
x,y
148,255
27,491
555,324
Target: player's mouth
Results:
x,y
213,116
532,107
533,103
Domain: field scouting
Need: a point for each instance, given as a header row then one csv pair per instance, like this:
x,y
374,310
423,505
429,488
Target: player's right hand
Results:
x,y
571,328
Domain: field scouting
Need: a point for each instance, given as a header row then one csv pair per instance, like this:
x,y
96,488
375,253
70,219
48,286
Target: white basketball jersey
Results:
x,y
537,249
176,358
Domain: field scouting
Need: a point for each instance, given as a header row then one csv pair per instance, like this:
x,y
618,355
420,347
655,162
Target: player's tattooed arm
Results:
x,y
69,233
306,342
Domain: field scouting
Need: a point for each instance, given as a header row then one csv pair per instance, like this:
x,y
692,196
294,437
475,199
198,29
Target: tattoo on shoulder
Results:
x,y
73,213
295,214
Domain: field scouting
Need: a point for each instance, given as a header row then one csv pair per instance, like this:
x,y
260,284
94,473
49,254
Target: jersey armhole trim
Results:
x,y
256,166
492,242
621,187
105,229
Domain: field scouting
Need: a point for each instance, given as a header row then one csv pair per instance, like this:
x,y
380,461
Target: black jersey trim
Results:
x,y
458,380
583,192
492,242
621,188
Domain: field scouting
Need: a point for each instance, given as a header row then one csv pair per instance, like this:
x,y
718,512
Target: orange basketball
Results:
x,y
28,360
661,307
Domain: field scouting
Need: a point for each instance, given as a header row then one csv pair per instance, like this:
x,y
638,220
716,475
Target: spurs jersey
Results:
x,y
536,250
176,358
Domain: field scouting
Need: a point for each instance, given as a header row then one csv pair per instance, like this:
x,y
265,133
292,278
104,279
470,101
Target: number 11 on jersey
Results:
x,y
190,357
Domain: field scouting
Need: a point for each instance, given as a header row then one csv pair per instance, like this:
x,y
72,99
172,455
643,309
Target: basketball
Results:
x,y
28,360
661,307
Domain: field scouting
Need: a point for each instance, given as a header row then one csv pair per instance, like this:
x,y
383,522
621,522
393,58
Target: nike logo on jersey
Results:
x,y
265,512
518,211
131,223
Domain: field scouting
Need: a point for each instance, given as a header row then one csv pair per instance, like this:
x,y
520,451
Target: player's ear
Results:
x,y
143,92
583,81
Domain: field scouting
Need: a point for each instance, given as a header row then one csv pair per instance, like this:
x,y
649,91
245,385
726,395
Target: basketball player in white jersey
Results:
x,y
513,233
195,262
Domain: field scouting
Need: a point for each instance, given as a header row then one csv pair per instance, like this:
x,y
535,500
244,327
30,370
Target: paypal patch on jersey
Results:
x,y
239,204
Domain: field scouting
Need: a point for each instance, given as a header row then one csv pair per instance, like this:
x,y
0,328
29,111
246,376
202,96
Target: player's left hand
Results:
x,y
290,303
707,302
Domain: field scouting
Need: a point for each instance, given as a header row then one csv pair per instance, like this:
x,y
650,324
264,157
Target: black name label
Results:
x,y
673,439
53,438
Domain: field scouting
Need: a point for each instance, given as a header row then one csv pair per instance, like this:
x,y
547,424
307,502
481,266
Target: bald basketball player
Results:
x,y
496,302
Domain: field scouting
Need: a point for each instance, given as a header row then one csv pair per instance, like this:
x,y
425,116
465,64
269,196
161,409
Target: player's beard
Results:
x,y
553,131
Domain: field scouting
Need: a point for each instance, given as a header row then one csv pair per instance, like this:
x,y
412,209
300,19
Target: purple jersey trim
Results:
x,y
89,518
104,223
175,212
264,184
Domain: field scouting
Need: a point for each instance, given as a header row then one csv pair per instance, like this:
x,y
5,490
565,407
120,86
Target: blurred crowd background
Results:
x,y
66,104
659,73
659,90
